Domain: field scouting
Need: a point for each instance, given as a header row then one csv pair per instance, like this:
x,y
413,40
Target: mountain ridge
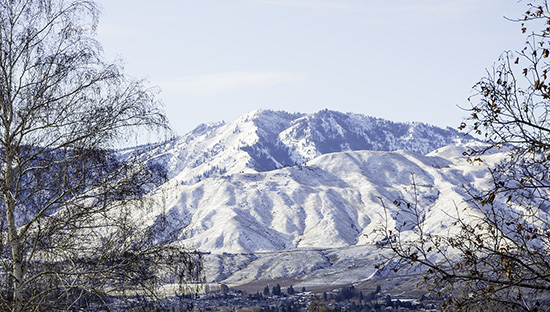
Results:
x,y
271,186
265,140
278,180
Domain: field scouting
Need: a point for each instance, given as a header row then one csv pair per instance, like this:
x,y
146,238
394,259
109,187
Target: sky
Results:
x,y
402,60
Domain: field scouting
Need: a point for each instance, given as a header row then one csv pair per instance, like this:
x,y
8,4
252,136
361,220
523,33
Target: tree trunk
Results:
x,y
13,237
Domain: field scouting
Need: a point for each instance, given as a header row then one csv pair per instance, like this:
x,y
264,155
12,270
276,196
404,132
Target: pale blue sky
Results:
x,y
403,60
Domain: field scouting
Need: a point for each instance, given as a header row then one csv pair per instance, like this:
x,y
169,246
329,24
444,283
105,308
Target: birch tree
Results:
x,y
69,241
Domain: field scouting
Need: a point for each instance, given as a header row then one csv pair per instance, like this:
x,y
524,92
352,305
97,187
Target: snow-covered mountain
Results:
x,y
279,195
265,140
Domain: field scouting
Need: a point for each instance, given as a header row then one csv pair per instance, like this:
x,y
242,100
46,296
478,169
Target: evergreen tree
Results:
x,y
276,290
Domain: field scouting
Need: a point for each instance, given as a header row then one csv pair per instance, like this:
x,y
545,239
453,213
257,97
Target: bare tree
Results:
x,y
499,255
69,241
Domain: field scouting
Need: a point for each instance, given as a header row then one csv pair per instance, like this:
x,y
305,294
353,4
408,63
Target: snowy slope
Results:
x,y
334,200
315,221
276,195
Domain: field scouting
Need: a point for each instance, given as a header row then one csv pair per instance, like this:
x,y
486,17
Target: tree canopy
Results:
x,y
68,239
500,255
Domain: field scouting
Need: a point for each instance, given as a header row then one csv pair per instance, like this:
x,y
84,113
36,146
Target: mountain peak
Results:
x,y
274,187
264,140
